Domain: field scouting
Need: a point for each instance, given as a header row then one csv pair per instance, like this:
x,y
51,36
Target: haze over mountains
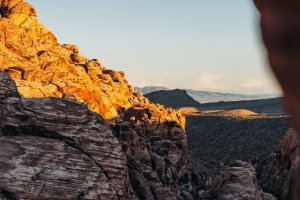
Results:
x,y
206,96
180,98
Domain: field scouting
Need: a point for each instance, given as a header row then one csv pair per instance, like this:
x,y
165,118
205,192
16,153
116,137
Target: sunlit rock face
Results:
x,y
41,67
55,145
56,148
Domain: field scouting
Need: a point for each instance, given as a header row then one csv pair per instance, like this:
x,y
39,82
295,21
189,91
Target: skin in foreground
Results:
x,y
280,28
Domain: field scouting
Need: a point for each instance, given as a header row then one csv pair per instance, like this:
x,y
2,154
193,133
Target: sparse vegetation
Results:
x,y
215,140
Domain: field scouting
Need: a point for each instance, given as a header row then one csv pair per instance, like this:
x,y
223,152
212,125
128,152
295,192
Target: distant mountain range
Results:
x,y
209,97
180,98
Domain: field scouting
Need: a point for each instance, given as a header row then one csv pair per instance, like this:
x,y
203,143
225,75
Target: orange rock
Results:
x,y
41,67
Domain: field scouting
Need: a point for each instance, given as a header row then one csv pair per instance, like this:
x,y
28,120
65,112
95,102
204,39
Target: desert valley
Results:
x,y
70,128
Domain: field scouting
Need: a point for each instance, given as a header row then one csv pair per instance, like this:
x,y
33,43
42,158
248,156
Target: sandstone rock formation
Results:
x,y
55,148
277,172
59,147
41,67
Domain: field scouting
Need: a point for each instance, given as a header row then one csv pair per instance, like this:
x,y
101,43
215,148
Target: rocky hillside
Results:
x,y
41,67
55,145
54,148
72,129
173,98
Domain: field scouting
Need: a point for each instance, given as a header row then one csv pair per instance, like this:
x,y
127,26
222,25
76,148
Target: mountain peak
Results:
x,y
173,98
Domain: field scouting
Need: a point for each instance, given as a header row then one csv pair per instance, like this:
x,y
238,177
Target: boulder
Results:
x,y
236,181
56,148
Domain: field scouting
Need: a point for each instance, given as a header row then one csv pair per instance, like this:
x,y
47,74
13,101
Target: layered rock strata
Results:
x,y
55,148
41,67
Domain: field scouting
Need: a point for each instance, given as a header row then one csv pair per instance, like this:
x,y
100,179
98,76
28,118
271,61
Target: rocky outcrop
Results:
x,y
41,67
57,148
56,145
235,181
277,172
156,153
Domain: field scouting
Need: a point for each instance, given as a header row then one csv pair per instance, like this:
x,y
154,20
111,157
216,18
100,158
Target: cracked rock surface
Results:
x,y
57,148
53,148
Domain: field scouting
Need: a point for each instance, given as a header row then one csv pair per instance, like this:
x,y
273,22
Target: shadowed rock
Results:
x,y
68,137
44,168
236,181
155,154
277,172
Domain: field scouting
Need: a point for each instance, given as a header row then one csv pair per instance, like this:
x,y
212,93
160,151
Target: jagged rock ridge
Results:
x,y
41,67
55,148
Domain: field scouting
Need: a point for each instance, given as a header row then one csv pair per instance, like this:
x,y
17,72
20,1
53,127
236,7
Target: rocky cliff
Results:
x,y
54,148
72,129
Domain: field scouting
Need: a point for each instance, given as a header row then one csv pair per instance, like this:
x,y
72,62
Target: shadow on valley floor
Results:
x,y
214,141
270,107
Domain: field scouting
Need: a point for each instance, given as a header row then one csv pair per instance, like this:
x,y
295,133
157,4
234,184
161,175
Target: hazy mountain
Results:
x,y
172,98
207,97
149,89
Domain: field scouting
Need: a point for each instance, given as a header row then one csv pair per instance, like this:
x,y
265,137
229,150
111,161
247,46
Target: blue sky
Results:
x,y
211,45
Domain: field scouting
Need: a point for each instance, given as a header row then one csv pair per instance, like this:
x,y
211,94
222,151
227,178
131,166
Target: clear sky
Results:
x,y
211,45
